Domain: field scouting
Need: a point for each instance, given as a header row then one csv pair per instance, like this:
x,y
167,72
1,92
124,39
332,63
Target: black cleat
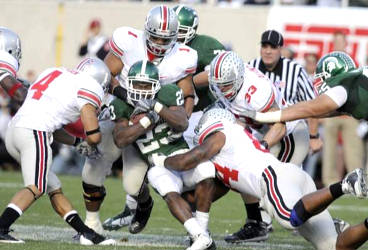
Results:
x,y
5,237
252,231
140,217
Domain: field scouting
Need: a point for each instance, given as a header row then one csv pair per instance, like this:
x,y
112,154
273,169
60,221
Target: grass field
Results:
x,y
43,229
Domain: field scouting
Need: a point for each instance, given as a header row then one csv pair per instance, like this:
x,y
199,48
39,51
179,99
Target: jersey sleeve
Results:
x,y
170,95
89,92
260,95
338,94
188,60
121,40
119,109
8,64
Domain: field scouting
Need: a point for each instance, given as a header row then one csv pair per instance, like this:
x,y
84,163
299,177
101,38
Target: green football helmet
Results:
x,y
331,65
143,81
188,23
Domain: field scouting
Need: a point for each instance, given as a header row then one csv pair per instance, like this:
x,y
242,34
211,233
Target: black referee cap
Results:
x,y
272,37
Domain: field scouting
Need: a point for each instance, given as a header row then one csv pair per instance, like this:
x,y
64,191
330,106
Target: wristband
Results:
x,y
268,117
316,136
158,107
91,132
120,92
145,122
189,96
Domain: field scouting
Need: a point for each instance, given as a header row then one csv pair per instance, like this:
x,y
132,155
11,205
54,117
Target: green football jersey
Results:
x,y
207,48
157,140
356,84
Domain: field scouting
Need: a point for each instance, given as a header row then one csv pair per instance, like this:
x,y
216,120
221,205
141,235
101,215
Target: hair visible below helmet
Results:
x,y
145,74
161,30
10,42
97,69
226,69
188,23
210,122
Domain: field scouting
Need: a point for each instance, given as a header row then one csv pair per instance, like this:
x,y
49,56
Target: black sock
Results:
x,y
8,217
336,190
75,222
253,211
146,203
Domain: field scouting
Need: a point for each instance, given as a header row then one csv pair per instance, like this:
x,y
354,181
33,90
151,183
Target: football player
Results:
x,y
246,87
176,63
58,97
207,48
161,115
245,165
10,55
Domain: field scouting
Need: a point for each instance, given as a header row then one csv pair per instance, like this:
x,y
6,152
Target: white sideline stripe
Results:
x,y
10,185
51,234
349,208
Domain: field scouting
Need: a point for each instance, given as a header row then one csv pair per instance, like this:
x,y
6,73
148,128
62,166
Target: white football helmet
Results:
x,y
161,30
10,42
212,119
227,74
97,69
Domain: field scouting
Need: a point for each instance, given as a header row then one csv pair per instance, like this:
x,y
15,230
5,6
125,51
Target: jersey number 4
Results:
x,y
43,84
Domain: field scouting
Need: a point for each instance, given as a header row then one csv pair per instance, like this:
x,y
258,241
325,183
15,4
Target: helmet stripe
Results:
x,y
144,65
218,64
164,17
179,9
83,62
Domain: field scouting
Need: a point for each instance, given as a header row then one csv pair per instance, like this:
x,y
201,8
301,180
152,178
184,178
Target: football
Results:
x,y
135,119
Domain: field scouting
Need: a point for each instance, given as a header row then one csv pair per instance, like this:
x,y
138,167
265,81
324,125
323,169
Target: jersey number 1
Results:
x,y
43,84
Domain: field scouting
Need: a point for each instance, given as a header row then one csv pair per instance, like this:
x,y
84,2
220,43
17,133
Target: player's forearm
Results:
x,y
186,161
189,105
201,79
275,134
124,135
313,126
14,88
177,119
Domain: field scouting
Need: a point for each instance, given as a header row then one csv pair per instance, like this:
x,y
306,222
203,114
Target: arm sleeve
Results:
x,y
90,93
338,94
118,41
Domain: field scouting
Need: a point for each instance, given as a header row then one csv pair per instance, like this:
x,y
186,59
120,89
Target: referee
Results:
x,y
295,86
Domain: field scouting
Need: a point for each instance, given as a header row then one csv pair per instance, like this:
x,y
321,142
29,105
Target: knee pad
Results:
x,y
93,193
299,215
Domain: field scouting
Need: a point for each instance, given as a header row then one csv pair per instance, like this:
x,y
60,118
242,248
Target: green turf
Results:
x,y
227,215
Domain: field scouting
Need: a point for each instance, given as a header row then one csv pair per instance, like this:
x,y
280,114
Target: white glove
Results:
x,y
87,150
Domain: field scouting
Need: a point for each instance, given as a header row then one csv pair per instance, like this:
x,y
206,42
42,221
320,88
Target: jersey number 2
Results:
x,y
43,84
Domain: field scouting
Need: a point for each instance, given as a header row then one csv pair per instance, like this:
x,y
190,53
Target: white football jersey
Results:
x,y
8,63
130,46
56,98
242,159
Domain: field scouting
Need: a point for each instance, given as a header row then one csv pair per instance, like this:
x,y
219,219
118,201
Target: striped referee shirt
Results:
x,y
291,79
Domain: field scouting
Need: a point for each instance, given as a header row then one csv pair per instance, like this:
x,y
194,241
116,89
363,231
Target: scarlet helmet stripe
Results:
x,y
218,64
115,49
165,13
8,68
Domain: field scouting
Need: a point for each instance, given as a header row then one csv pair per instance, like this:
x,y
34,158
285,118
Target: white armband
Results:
x,y
158,107
268,117
145,122
338,94
2,77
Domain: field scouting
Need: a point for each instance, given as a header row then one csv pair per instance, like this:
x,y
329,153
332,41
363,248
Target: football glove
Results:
x,y
87,150
146,104
153,116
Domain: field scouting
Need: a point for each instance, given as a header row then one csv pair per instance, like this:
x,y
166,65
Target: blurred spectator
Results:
x,y
358,3
288,53
260,2
329,3
310,63
94,42
230,3
343,130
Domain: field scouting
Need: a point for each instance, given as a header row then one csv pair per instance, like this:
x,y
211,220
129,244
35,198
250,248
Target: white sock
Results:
x,y
192,227
92,216
203,219
130,202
